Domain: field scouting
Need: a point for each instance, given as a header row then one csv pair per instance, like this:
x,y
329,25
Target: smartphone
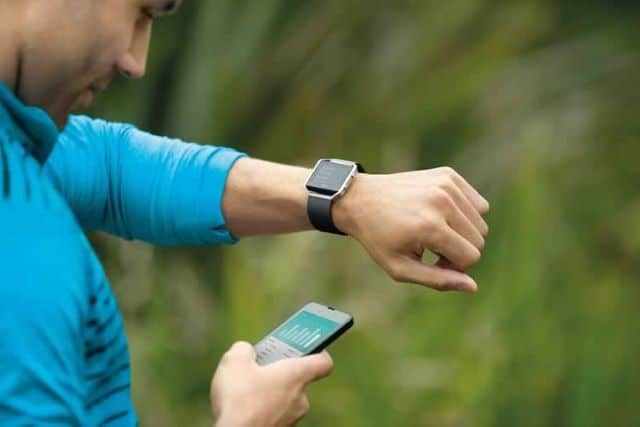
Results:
x,y
310,330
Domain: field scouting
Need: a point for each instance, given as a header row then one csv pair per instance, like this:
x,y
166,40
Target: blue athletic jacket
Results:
x,y
63,350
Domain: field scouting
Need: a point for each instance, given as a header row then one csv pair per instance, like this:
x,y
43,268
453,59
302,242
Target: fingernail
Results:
x,y
468,287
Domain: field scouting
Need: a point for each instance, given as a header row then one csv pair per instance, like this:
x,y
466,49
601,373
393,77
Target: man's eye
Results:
x,y
170,7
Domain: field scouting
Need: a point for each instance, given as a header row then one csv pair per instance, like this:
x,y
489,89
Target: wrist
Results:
x,y
346,208
225,420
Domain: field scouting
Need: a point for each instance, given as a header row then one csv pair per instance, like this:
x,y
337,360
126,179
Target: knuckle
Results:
x,y
396,272
448,184
393,272
330,367
445,284
432,227
328,362
440,287
437,285
447,287
301,407
481,244
473,258
448,171
455,176
305,405
440,198
464,264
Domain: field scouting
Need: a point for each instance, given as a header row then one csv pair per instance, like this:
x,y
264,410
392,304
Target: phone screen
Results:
x,y
307,331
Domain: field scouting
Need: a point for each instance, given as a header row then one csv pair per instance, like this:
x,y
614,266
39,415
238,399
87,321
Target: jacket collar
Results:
x,y
30,126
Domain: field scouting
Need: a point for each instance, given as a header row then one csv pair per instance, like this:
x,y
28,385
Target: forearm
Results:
x,y
265,198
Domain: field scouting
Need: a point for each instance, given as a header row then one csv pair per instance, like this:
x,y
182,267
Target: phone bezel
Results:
x,y
343,318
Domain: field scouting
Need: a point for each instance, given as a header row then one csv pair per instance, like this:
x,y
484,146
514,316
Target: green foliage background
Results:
x,y
536,102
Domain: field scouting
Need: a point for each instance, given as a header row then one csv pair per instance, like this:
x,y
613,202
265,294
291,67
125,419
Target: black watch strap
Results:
x,y
319,211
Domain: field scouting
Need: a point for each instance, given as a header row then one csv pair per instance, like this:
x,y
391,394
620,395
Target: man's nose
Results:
x,y
131,67
133,63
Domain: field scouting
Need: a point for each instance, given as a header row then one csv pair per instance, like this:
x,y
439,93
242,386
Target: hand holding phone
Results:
x,y
310,330
244,394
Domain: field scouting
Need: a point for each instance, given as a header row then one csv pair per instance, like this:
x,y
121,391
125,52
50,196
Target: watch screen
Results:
x,y
328,177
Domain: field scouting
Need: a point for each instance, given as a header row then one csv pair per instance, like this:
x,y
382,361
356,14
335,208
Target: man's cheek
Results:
x,y
115,47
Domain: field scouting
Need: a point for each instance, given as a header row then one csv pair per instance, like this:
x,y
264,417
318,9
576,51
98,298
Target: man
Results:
x,y
63,352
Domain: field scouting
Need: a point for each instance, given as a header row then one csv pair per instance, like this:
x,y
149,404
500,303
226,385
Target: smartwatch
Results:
x,y
329,180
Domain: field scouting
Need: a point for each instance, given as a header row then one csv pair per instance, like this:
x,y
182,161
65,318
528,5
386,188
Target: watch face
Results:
x,y
328,177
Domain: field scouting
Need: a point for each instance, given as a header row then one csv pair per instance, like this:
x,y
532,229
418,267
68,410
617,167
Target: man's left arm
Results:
x,y
396,217
165,191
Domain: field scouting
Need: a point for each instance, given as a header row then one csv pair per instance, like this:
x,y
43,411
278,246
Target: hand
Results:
x,y
397,217
244,394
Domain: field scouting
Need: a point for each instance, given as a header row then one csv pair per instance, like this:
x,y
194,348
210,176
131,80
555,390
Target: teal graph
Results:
x,y
305,330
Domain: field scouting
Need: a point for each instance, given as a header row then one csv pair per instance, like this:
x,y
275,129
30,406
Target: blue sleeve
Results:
x,y
119,179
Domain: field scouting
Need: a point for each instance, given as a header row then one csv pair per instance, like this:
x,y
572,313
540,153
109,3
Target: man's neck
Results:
x,y
10,43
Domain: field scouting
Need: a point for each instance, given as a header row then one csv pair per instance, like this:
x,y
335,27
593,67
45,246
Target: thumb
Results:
x,y
441,276
242,350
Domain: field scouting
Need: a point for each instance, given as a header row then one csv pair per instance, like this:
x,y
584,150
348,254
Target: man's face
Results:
x,y
76,47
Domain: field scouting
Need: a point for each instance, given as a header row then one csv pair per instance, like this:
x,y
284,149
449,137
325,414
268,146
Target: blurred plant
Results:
x,y
536,102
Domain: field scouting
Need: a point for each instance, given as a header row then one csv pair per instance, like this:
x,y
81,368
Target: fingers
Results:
x,y
459,222
448,243
458,235
303,407
480,203
440,278
468,209
317,366
307,369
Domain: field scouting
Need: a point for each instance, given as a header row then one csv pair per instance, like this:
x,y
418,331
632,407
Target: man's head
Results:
x,y
69,50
